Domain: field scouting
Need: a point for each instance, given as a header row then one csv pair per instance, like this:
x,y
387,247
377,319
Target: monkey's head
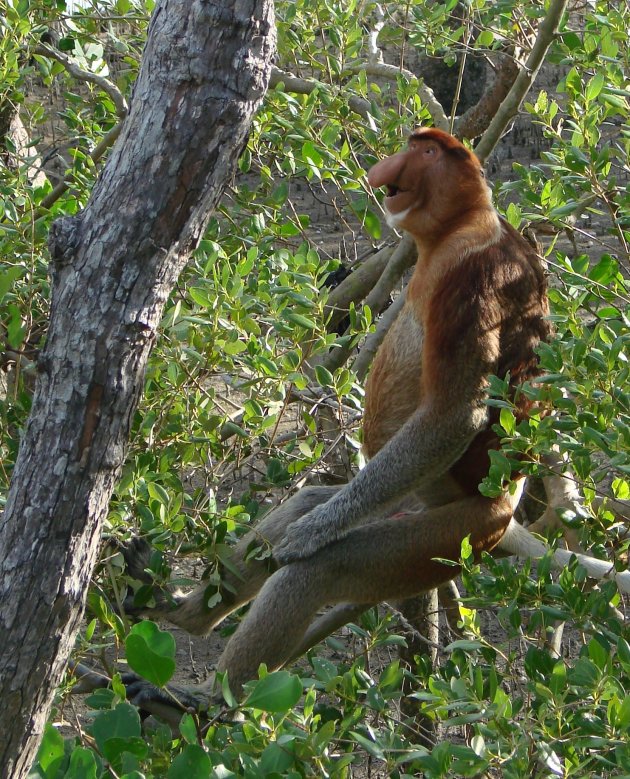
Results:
x,y
431,182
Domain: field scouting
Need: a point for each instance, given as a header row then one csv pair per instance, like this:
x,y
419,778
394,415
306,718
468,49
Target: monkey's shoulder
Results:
x,y
502,278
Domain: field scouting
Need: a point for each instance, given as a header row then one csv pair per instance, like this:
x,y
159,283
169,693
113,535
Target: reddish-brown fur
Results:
x,y
499,289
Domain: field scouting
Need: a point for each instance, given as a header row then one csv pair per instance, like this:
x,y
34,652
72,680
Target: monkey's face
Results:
x,y
405,177
424,177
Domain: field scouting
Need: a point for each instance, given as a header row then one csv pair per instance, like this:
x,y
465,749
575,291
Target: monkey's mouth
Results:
x,y
396,199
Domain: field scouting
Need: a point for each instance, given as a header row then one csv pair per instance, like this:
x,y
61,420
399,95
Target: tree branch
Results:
x,y
359,105
370,346
85,75
302,86
403,257
95,155
356,286
391,72
476,119
523,82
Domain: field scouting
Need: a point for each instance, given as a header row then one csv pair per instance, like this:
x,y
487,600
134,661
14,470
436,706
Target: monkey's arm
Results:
x,y
426,446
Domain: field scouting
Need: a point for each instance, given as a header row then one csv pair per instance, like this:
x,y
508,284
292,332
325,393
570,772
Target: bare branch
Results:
x,y
426,94
109,88
356,286
95,155
85,75
359,105
402,258
477,118
303,86
20,151
370,346
374,53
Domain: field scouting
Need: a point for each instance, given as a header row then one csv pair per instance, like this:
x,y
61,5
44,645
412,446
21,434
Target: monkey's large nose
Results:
x,y
386,171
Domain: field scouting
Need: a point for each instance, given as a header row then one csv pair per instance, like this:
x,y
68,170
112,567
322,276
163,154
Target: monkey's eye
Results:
x,y
392,190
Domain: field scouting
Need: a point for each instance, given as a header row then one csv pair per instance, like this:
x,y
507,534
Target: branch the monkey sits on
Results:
x,y
476,305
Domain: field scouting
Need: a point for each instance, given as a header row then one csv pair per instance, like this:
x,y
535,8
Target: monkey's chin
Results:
x,y
394,220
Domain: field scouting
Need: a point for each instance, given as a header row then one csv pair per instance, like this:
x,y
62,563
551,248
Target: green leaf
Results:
x,y
245,266
201,297
123,722
324,376
372,224
310,153
605,270
616,101
188,729
595,86
277,692
8,277
151,652
598,653
15,328
276,759
370,747
507,421
325,670
157,492
193,763
82,764
51,752
234,347
299,319
115,748
623,653
485,39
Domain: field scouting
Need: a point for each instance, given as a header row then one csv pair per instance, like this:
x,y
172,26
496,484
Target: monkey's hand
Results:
x,y
308,535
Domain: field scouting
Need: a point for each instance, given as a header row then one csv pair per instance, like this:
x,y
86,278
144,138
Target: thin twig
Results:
x,y
63,186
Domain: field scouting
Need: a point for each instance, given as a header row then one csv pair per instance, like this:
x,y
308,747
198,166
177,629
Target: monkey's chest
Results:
x,y
392,392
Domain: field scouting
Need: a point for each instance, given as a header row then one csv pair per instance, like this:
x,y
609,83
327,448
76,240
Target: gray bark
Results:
x,y
204,72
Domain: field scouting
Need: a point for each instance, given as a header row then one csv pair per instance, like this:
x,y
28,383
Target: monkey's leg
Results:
x,y
169,702
240,585
326,624
388,559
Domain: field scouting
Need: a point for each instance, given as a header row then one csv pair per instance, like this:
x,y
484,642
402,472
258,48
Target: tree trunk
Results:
x,y
422,613
204,72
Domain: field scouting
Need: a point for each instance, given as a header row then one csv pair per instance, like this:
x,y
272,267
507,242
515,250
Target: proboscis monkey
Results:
x,y
476,305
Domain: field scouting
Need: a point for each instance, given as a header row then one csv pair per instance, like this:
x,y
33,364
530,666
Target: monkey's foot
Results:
x,y
167,703
137,555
